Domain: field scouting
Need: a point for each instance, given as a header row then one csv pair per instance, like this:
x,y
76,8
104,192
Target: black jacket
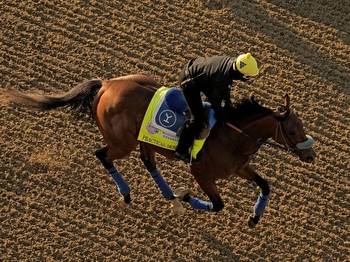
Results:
x,y
216,79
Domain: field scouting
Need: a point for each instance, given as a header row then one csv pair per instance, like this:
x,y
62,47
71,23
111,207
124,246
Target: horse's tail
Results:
x,y
80,97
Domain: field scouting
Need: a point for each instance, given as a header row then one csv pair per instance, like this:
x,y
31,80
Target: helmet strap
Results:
x,y
234,65
237,75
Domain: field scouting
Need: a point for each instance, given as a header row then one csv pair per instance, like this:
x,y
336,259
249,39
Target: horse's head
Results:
x,y
290,133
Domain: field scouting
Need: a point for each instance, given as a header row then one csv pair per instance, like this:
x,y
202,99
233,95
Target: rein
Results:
x,y
260,141
286,140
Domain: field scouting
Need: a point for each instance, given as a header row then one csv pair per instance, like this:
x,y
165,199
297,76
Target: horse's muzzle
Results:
x,y
305,151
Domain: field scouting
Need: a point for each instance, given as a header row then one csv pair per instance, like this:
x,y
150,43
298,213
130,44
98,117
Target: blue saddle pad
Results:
x,y
171,112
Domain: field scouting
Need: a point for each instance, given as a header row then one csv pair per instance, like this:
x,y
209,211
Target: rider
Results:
x,y
213,77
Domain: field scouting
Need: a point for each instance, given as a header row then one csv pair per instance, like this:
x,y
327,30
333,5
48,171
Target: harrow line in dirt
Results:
x,y
313,180
45,55
58,202
155,17
73,35
105,29
160,44
335,10
329,121
69,234
308,29
291,49
303,197
55,73
310,234
327,170
96,35
50,70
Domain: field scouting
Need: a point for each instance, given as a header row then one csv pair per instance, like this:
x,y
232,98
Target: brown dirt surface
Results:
x,y
57,202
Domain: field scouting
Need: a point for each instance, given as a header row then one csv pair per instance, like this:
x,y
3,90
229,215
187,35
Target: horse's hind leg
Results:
x,y
148,159
105,156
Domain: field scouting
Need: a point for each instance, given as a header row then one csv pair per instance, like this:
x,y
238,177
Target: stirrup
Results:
x,y
184,157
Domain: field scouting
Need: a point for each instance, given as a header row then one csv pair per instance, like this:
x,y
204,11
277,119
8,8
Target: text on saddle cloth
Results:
x,y
164,118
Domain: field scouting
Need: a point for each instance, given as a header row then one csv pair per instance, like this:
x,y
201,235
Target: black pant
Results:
x,y
192,129
194,101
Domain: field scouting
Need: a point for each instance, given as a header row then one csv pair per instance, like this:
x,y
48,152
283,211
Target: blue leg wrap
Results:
x,y
197,203
162,184
123,187
260,204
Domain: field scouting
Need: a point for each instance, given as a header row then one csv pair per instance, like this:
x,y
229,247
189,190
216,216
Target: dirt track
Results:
x,y
57,203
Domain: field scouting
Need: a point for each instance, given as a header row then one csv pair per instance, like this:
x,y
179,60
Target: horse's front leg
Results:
x,y
209,188
248,173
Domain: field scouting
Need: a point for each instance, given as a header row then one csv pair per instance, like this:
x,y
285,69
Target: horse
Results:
x,y
118,105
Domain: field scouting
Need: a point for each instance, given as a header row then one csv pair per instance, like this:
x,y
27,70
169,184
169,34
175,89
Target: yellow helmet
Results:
x,y
247,65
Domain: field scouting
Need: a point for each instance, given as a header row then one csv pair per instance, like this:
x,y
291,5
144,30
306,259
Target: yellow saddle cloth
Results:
x,y
161,124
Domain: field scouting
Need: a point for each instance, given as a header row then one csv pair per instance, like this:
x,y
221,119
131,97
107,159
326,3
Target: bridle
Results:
x,y
287,142
286,139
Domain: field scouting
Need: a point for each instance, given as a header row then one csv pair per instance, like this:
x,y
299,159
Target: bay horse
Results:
x,y
118,105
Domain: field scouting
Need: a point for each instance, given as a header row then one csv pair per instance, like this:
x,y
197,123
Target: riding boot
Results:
x,y
185,142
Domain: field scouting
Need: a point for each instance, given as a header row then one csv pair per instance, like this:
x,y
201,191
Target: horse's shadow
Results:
x,y
288,38
226,253
324,15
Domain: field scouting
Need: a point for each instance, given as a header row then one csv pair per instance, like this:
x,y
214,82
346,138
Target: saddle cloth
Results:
x,y
165,117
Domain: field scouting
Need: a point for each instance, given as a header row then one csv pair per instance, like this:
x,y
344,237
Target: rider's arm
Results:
x,y
218,94
227,97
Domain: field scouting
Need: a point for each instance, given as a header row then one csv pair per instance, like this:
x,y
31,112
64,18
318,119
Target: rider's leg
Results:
x,y
185,142
193,98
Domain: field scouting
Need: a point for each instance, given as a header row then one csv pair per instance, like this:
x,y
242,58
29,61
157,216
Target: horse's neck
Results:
x,y
262,128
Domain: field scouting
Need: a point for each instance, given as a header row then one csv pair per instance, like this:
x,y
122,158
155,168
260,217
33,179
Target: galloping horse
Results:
x,y
118,106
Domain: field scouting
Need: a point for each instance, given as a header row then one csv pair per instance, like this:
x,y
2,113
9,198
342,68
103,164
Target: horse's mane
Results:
x,y
246,108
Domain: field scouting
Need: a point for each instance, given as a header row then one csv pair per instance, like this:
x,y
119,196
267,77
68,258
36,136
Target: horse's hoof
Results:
x,y
253,221
177,207
122,204
124,201
127,199
181,193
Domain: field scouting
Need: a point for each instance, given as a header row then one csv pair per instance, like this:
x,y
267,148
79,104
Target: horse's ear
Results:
x,y
281,112
286,101
287,104
284,111
252,97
